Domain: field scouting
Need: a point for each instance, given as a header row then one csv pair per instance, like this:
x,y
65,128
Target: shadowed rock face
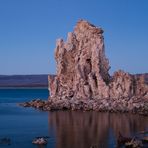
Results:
x,y
82,69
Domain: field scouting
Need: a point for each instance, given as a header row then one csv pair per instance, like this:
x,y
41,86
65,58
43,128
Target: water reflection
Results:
x,y
76,129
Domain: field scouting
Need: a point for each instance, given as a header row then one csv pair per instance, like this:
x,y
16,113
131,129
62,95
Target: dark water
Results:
x,y
66,129
19,95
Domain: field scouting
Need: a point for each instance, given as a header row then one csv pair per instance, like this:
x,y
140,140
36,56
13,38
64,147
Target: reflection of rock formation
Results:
x,y
83,129
82,69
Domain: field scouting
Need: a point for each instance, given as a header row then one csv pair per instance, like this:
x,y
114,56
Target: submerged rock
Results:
x,y
134,144
145,139
5,141
138,141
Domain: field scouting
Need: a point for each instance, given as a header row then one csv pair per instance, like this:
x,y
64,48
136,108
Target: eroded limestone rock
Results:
x,y
83,69
83,81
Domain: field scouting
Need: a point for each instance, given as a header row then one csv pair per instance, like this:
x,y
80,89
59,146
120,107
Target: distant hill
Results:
x,y
24,81
145,76
32,80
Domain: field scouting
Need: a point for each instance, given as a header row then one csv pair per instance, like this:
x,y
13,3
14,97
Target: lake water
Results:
x,y
66,129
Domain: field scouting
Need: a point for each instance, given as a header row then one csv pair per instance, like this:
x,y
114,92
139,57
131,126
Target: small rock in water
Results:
x,y
5,141
40,140
134,144
83,81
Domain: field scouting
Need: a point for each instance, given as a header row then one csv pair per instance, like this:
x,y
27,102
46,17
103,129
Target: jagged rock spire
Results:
x,y
83,69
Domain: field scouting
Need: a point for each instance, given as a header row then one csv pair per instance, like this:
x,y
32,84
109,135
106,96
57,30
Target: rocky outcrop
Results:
x,y
83,80
125,85
83,69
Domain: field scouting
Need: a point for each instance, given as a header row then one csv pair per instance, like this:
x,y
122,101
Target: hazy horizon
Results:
x,y
29,29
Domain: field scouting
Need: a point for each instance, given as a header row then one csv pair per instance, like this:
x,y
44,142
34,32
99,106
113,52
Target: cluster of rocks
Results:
x,y
83,80
132,142
37,103
40,140
135,105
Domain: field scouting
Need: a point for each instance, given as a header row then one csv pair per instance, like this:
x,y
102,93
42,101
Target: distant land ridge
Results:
x,y
24,80
33,80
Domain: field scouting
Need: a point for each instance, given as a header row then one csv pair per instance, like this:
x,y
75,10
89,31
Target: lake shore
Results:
x,y
135,106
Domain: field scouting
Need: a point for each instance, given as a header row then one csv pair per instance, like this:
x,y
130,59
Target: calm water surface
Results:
x,y
66,129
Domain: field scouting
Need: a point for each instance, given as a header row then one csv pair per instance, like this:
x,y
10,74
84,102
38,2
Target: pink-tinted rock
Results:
x,y
83,82
82,69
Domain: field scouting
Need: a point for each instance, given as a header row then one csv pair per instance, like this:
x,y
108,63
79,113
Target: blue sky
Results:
x,y
29,29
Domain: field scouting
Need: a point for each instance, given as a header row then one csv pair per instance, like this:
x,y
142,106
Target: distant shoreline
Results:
x,y
24,87
23,81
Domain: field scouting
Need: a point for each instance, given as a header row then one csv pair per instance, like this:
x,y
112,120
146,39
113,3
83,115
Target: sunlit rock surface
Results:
x,y
83,82
82,69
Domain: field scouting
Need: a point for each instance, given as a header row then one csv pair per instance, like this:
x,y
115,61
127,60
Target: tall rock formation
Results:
x,y
83,69
83,81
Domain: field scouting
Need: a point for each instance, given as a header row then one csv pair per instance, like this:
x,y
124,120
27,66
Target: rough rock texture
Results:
x,y
83,80
82,69
124,85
